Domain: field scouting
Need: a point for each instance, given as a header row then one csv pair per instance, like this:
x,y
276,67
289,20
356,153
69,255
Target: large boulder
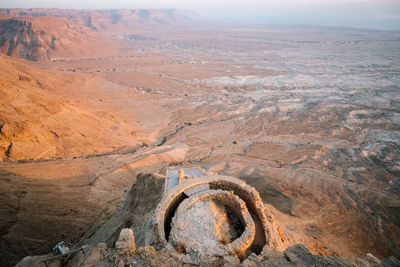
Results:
x,y
125,245
299,255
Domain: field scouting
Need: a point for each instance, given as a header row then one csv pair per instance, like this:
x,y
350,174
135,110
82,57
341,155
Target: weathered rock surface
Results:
x,y
125,245
296,255
200,230
211,219
31,110
43,34
45,38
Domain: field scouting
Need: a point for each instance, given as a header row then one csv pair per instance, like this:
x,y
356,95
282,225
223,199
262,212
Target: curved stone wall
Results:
x,y
259,228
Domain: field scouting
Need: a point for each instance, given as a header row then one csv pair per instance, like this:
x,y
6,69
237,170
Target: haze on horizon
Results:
x,y
382,14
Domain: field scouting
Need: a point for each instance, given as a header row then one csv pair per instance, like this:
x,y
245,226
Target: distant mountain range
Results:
x,y
42,34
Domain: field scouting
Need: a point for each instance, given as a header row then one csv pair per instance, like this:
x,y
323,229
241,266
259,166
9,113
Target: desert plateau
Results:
x,y
295,128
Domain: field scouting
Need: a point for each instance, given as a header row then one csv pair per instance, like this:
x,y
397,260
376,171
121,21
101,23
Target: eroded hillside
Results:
x,y
39,121
43,34
308,116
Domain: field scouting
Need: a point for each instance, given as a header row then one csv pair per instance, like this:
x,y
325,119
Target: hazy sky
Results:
x,y
353,13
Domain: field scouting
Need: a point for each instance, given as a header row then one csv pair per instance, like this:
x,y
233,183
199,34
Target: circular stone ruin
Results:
x,y
203,219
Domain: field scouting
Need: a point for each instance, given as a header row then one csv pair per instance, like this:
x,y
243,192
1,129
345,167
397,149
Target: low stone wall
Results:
x,y
259,229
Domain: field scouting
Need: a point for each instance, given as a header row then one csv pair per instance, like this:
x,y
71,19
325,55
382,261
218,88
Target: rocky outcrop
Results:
x,y
136,212
42,34
296,255
125,244
39,38
101,20
124,249
18,39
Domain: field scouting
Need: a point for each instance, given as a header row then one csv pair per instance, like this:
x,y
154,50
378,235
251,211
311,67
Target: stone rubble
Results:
x,y
201,232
